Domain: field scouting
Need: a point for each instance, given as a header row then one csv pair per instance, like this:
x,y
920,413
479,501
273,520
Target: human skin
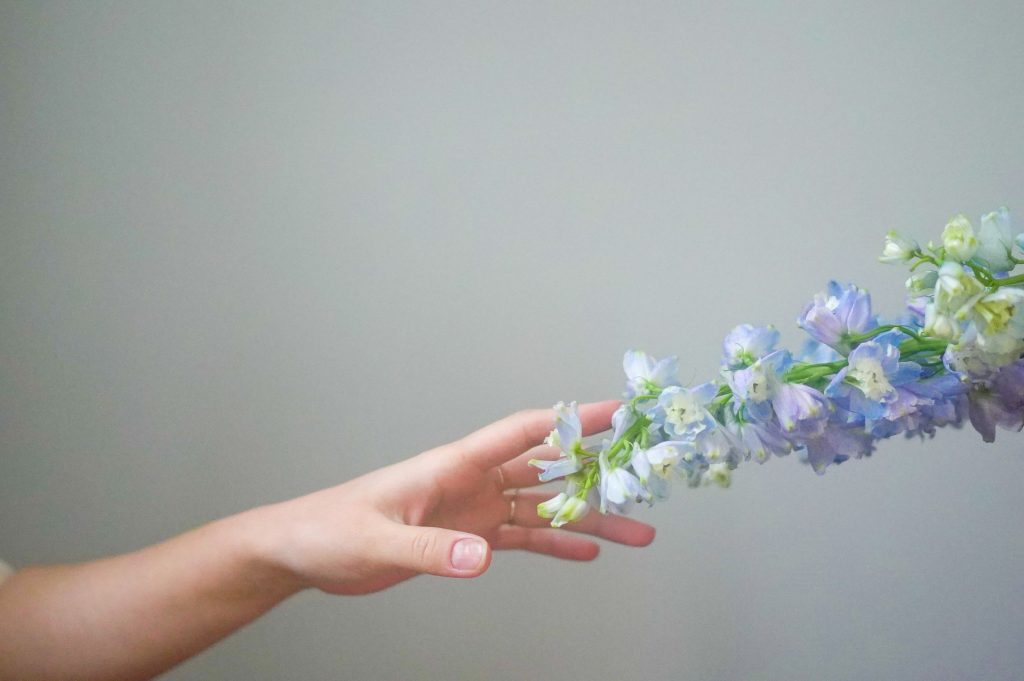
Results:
x,y
135,615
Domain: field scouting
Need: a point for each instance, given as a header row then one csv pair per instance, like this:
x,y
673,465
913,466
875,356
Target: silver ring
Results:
x,y
512,507
501,478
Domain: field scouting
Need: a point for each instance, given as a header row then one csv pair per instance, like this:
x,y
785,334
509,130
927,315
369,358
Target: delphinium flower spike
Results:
x,y
956,354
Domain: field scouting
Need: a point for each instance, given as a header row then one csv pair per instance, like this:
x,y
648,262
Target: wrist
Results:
x,y
262,542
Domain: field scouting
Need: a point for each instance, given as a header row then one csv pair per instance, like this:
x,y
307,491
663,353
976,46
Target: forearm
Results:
x,y
135,615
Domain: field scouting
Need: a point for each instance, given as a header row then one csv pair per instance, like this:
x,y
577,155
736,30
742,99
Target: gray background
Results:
x,y
249,251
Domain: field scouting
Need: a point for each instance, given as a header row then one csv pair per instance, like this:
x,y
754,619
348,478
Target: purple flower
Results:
x,y
836,444
836,315
1000,402
758,440
987,410
1009,385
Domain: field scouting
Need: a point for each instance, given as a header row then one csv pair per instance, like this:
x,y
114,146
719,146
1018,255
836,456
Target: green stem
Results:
x,y
981,273
1007,281
860,338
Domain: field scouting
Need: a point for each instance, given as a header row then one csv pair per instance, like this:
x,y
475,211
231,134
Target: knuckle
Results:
x,y
423,548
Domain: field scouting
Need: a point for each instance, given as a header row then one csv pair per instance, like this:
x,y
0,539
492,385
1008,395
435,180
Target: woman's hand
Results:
x,y
135,615
441,512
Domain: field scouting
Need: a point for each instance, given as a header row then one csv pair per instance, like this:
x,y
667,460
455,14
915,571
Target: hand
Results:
x,y
440,512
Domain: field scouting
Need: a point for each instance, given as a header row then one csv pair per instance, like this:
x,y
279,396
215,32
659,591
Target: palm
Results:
x,y
473,486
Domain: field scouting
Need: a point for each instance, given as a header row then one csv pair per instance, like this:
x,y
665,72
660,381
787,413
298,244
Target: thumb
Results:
x,y
446,553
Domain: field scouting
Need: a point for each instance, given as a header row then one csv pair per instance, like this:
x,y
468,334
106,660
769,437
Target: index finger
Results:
x,y
511,436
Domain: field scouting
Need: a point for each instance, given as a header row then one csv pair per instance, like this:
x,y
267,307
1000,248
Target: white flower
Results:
x,y
995,242
619,489
940,324
572,510
968,357
551,507
956,290
999,318
922,282
897,248
958,238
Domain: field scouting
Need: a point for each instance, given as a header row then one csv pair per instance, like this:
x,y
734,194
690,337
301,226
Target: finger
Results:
x,y
511,436
547,541
438,551
614,528
518,472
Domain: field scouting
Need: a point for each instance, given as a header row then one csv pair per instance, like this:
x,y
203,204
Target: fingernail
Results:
x,y
467,554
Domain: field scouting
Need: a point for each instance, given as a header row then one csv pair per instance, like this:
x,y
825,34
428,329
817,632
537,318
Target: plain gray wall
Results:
x,y
249,251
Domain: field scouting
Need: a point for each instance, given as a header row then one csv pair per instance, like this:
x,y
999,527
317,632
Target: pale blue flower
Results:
x,y
763,391
719,445
645,375
557,468
815,352
746,344
619,489
683,412
567,436
654,468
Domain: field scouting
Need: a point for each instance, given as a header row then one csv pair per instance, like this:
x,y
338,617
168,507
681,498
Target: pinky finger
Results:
x,y
548,541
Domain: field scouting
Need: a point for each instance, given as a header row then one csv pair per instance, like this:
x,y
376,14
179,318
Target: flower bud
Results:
x,y
551,507
897,248
719,474
572,510
958,238
939,324
922,282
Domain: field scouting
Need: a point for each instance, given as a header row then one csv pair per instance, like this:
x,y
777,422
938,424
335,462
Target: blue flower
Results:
x,y
867,386
836,315
683,412
764,393
933,402
758,440
746,344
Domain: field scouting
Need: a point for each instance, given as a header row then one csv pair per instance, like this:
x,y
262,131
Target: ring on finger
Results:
x,y
512,507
